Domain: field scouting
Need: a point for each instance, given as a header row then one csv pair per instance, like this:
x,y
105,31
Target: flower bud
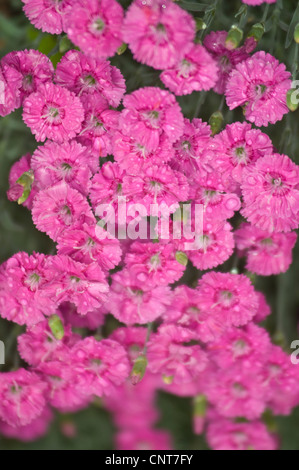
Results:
x,y
139,369
199,413
168,379
296,33
257,31
122,48
26,181
292,101
216,122
234,37
56,327
200,24
181,258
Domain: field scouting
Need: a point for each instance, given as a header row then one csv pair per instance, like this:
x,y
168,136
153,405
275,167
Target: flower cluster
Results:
x,y
202,341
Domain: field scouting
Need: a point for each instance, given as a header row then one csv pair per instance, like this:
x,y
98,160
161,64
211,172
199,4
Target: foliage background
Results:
x,y
94,426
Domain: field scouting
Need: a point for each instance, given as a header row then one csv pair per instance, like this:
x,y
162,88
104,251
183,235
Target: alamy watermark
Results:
x,y
127,220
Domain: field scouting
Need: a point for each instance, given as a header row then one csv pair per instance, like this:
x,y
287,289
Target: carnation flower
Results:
x,y
170,353
83,285
133,302
229,297
91,320
34,67
225,59
67,162
281,379
87,76
65,391
224,434
241,346
30,432
152,114
190,157
237,147
95,27
209,248
131,155
47,15
22,397
271,195
25,293
58,208
158,32
133,339
100,365
238,392
26,191
53,112
267,253
157,185
10,83
197,71
154,264
90,243
39,345
260,83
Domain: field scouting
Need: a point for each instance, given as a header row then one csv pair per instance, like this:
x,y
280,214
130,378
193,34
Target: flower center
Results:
x,y
186,145
226,298
66,214
241,154
32,281
98,25
260,90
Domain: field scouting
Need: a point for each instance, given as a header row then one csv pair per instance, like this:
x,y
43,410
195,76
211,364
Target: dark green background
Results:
x,y
94,427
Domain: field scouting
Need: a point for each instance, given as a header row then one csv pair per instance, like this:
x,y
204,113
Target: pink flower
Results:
x,y
190,154
152,114
154,264
158,32
86,76
157,185
267,252
83,285
237,147
271,195
169,354
58,208
229,297
240,346
197,71
217,203
34,67
133,302
23,397
226,59
10,83
133,339
261,84
281,378
65,390
53,163
91,320
16,190
88,244
95,27
238,392
98,128
107,185
224,434
53,112
210,248
100,365
46,15
25,294
263,309
38,345
30,432
143,439
131,155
